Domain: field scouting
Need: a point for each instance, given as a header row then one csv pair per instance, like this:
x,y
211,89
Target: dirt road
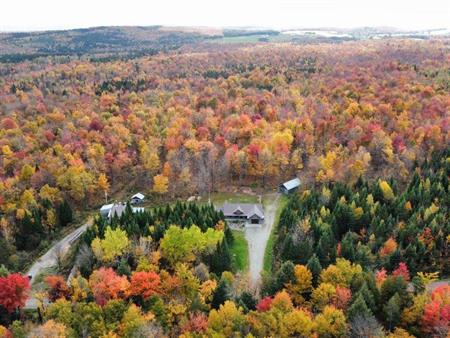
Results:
x,y
432,286
257,238
50,258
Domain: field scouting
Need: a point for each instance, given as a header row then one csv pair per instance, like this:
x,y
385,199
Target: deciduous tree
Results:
x,y
106,284
14,290
113,245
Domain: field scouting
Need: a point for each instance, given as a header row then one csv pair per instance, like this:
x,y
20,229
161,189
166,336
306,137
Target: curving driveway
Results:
x,y
51,257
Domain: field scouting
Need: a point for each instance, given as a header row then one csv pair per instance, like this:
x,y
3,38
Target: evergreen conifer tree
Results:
x,y
314,266
358,308
247,301
392,311
221,294
65,214
220,260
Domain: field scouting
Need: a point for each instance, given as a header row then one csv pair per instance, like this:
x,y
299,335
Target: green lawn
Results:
x,y
268,254
239,251
220,198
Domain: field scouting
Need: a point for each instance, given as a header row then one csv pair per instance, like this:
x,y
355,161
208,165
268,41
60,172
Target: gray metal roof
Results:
x,y
292,184
239,209
106,207
139,196
119,208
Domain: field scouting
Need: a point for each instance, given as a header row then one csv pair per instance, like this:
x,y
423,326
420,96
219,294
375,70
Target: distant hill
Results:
x,y
106,43
15,47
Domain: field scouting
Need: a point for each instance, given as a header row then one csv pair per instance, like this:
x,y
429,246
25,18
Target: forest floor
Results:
x,y
257,238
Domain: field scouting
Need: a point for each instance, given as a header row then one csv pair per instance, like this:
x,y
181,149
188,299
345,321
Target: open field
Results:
x,y
220,198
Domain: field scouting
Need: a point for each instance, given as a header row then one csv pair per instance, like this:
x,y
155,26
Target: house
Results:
x,y
109,210
289,186
104,210
246,212
137,198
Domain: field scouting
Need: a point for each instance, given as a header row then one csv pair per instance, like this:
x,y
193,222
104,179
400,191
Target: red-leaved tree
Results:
x,y
436,315
14,290
402,271
342,298
106,284
264,304
145,284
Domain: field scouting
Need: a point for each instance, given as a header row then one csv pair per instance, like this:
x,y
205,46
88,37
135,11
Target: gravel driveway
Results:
x,y
50,258
257,238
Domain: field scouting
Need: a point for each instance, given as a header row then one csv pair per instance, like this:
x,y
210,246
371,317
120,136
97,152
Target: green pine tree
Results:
x,y
358,308
220,260
314,266
392,311
221,294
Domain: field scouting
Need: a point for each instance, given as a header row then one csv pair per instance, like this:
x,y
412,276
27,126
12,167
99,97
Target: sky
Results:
x,y
23,15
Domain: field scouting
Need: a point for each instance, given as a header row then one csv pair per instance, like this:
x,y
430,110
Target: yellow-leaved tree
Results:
x,y
76,181
103,185
298,323
113,245
323,295
49,193
226,321
328,165
302,284
182,245
26,172
386,189
340,273
331,323
160,184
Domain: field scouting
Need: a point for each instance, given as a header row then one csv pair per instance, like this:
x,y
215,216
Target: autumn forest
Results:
x,y
361,250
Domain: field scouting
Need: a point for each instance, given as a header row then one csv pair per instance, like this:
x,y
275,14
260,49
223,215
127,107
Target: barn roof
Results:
x,y
292,184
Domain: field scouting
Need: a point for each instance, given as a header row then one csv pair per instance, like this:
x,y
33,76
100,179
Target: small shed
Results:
x,y
137,198
289,186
